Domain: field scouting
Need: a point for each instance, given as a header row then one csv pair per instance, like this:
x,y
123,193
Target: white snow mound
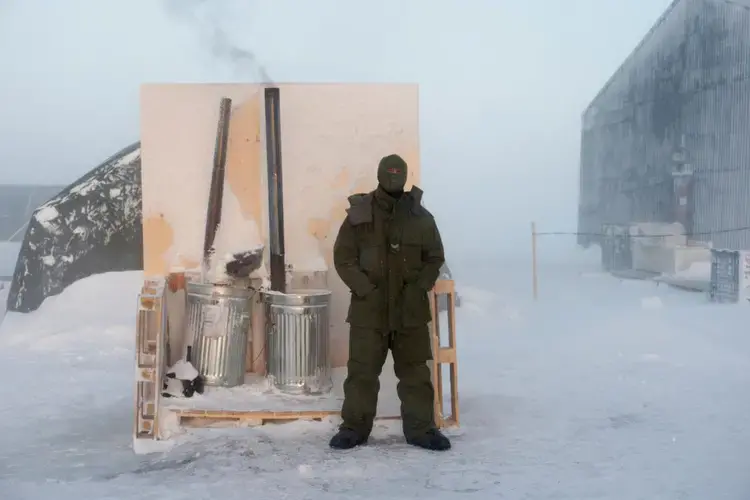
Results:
x,y
85,312
696,271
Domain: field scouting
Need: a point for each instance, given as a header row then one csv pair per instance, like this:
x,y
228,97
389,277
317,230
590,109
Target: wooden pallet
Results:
x,y
444,354
223,418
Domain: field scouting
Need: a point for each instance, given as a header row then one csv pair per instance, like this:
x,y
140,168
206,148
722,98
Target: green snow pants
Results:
x,y
368,349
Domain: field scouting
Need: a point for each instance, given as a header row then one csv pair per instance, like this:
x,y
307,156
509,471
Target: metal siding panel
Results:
x,y
722,202
688,78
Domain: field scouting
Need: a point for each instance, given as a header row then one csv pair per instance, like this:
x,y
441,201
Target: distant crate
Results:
x,y
730,276
617,251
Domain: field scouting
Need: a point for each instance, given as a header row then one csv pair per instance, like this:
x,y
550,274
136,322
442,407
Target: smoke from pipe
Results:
x,y
206,17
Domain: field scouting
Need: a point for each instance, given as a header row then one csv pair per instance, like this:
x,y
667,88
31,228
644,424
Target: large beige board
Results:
x,y
332,136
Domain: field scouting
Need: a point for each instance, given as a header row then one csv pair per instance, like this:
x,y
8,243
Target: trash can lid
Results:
x,y
309,297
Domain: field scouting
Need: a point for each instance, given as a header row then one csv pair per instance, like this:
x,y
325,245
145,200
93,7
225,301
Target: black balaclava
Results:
x,y
392,172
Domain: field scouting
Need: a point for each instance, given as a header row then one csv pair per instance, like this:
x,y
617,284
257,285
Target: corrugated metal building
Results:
x,y
17,203
668,137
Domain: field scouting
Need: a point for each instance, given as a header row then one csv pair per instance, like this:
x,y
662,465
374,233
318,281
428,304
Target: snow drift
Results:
x,y
583,393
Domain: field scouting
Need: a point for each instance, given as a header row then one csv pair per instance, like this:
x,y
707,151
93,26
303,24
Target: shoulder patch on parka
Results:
x,y
360,209
416,203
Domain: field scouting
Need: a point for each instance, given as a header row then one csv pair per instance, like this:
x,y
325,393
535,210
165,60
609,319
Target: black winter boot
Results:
x,y
346,439
430,440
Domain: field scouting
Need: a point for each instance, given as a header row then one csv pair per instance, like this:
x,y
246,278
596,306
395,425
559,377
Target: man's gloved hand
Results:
x,y
412,284
364,291
411,289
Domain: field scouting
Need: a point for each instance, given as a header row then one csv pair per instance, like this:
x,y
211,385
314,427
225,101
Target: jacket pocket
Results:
x,y
415,307
411,254
367,311
369,262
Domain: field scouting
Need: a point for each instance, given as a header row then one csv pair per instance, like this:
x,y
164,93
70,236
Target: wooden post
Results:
x,y
444,355
534,284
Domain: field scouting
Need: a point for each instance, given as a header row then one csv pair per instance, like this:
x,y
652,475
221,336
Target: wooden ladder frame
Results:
x,y
444,355
151,346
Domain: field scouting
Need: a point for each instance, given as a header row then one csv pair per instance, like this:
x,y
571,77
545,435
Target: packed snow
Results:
x,y
603,389
8,256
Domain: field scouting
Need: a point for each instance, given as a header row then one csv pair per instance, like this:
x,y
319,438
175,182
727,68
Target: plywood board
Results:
x,y
333,136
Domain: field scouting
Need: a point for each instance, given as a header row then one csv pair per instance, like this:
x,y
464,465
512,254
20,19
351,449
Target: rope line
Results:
x,y
704,233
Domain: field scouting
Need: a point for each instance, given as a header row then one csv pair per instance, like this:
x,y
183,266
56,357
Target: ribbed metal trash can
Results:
x,y
219,321
297,341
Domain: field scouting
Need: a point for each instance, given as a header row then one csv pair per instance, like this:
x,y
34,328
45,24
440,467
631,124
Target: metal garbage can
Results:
x,y
219,321
297,341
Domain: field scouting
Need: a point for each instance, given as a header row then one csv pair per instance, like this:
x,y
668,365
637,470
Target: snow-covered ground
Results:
x,y
603,389
8,257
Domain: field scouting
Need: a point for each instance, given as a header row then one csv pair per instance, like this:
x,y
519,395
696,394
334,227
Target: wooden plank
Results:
x,y
436,366
256,414
444,287
454,393
150,352
444,355
219,418
453,369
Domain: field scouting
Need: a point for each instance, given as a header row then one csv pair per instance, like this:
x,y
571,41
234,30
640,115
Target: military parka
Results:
x,y
389,253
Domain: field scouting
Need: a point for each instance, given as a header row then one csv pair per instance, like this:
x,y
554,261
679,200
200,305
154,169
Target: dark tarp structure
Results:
x,y
92,226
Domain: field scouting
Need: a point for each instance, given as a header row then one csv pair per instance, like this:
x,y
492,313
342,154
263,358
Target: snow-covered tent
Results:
x,y
90,227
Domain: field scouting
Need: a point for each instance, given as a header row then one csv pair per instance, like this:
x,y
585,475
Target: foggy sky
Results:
x,y
502,83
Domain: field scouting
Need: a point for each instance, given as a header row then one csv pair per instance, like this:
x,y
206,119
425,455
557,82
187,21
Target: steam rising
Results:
x,y
206,16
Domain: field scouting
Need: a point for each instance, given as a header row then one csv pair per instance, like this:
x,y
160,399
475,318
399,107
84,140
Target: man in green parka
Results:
x,y
389,253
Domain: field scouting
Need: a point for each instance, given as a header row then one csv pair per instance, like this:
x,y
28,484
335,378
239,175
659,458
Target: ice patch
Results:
x,y
651,303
